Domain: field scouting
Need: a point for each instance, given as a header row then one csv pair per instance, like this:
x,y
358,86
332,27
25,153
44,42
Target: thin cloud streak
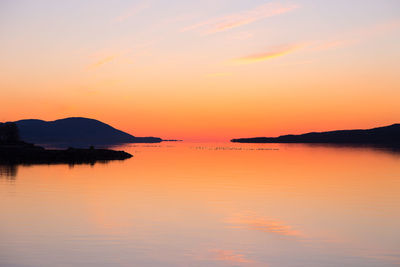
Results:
x,y
241,36
277,52
131,12
354,38
333,44
102,62
381,28
239,19
359,36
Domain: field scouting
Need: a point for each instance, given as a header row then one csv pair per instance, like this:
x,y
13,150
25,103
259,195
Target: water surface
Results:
x,y
205,204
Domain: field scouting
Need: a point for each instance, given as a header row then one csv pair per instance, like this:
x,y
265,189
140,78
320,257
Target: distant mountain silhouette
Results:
x,y
381,135
77,131
15,151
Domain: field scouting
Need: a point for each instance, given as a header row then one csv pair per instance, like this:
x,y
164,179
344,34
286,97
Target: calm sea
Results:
x,y
206,204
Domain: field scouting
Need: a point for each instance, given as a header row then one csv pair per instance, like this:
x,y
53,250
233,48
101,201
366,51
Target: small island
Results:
x,y
387,135
15,151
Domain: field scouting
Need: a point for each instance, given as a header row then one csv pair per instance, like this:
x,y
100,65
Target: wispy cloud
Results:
x,y
333,44
102,62
125,56
351,38
379,29
358,36
263,224
131,12
242,18
272,53
241,36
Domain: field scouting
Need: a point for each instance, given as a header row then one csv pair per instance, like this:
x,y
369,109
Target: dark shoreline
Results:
x,y
25,153
386,136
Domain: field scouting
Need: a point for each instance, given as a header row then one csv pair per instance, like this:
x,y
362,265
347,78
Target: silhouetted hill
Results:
x,y
15,151
9,133
381,135
75,131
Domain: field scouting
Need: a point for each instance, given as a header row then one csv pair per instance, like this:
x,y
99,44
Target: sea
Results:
x,y
206,204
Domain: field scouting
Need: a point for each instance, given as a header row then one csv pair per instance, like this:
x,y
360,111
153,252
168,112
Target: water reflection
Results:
x,y
263,224
8,171
230,257
388,148
207,205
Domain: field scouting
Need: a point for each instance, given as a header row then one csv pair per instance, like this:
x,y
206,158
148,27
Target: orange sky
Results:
x,y
213,70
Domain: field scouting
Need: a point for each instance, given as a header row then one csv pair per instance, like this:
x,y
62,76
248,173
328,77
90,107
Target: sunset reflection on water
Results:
x,y
206,204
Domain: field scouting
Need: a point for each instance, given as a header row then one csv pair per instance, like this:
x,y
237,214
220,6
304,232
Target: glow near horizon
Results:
x,y
209,70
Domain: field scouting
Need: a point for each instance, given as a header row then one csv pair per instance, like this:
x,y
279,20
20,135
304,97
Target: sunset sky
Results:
x,y
203,70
